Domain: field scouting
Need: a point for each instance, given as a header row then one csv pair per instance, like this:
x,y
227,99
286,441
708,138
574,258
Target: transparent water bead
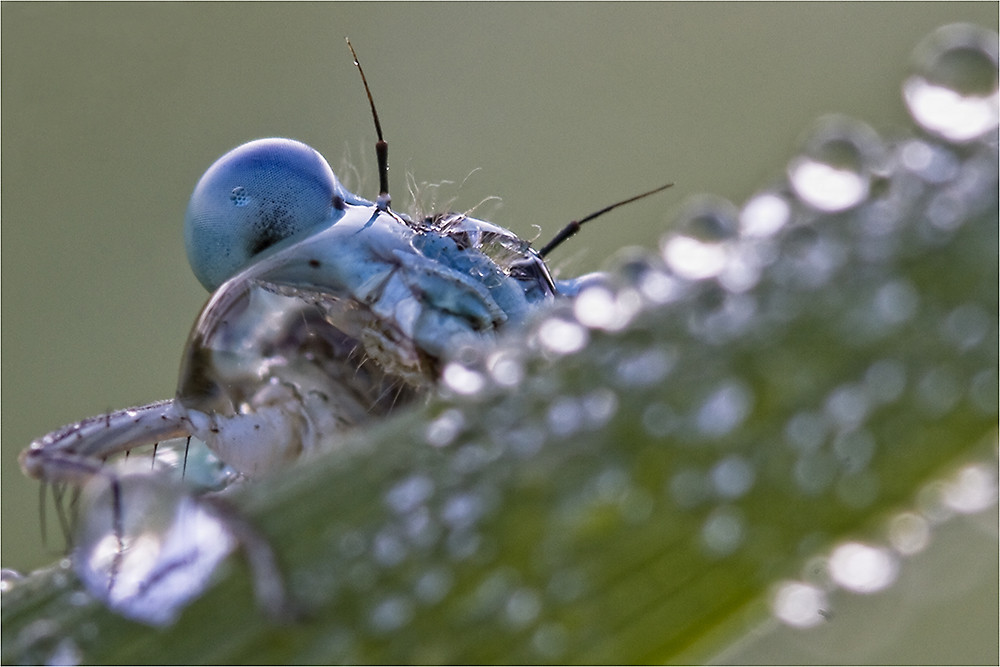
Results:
x,y
764,215
799,604
709,218
953,91
700,249
836,164
862,568
147,550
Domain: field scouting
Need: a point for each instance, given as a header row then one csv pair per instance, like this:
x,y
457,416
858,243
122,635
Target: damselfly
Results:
x,y
328,310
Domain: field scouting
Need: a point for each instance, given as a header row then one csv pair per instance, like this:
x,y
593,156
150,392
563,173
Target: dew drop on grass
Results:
x,y
836,163
952,92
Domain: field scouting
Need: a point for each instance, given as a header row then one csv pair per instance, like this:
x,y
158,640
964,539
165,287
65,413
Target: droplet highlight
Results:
x,y
953,90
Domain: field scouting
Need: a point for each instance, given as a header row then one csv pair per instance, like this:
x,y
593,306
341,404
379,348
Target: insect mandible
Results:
x,y
327,311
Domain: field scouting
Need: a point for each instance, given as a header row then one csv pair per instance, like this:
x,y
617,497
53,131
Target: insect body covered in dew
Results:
x,y
327,311
337,312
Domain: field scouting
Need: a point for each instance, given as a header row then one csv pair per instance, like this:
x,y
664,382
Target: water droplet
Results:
x,y
834,169
847,406
409,494
525,441
930,502
9,578
966,326
564,416
806,431
599,308
462,380
742,271
895,302
953,91
764,215
463,510
799,605
932,163
724,531
66,653
506,369
167,548
909,533
473,457
645,368
599,406
433,585
885,380
861,568
939,390
946,212
854,450
420,528
562,337
391,614
972,489
445,428
80,599
708,218
724,409
693,259
611,484
732,318
388,549
808,260
660,287
523,607
732,477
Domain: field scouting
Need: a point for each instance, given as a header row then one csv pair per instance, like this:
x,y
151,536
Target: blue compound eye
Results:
x,y
254,196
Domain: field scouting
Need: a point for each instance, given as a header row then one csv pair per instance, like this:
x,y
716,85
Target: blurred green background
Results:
x,y
111,112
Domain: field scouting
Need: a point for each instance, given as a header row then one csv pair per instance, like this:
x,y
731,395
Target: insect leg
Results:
x,y
73,453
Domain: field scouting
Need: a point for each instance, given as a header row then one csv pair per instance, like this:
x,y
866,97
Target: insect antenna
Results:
x,y
574,226
381,147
